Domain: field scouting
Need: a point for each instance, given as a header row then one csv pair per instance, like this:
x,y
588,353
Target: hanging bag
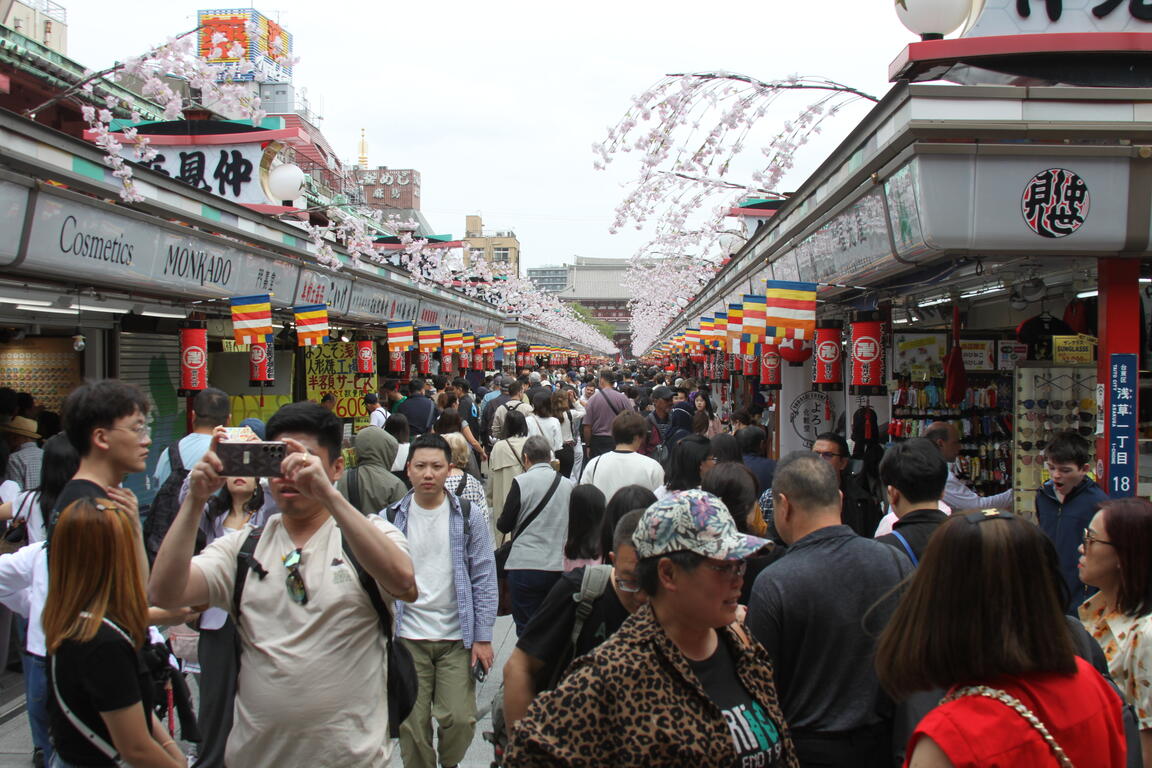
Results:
x,y
17,534
504,606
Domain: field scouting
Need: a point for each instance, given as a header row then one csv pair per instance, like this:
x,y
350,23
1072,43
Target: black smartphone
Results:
x,y
241,459
479,672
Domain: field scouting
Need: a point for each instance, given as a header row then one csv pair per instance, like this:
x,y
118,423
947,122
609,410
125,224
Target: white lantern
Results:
x,y
932,18
285,182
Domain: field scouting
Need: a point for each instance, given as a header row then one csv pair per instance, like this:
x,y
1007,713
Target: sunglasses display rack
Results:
x,y
983,419
1049,399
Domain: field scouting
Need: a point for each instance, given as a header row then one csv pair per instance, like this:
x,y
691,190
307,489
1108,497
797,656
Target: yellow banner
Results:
x,y
331,368
1073,349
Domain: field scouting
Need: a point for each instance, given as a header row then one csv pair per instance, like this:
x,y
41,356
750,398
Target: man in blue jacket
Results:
x,y
1065,505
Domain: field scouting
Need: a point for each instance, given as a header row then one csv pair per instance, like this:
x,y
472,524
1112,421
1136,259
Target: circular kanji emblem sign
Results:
x,y
1055,202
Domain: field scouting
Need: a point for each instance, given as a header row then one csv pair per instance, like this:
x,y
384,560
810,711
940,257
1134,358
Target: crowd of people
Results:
x,y
678,596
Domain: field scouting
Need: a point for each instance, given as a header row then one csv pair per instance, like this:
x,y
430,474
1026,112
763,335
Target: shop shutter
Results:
x,y
151,361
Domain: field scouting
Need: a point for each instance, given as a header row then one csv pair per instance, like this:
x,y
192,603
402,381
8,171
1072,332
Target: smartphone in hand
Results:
x,y
247,459
479,672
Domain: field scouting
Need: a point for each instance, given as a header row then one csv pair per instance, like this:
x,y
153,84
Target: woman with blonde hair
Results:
x,y
95,624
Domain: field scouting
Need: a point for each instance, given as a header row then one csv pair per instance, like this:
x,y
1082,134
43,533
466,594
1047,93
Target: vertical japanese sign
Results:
x,y
331,368
1122,426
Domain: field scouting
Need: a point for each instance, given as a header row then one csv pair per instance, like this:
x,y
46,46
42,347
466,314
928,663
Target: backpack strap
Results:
x,y
245,561
907,548
93,738
592,586
175,460
354,487
462,484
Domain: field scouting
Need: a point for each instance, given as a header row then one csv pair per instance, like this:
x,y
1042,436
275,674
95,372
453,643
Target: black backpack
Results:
x,y
166,504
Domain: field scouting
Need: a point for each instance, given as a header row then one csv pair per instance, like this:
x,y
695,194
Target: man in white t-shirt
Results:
x,y
448,629
312,687
376,413
624,466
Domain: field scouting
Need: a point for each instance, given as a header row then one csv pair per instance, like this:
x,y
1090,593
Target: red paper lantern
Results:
x,y
395,359
366,357
193,359
751,365
737,363
867,350
828,370
520,359
425,361
261,365
795,351
770,368
447,365
490,360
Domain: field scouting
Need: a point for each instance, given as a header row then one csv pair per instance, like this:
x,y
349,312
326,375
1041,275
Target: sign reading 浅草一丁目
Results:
x,y
1122,426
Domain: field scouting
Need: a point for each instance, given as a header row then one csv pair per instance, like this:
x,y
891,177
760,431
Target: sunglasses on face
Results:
x,y
730,570
295,581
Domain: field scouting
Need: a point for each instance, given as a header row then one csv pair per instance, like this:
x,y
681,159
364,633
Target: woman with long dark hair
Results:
x,y
983,619
627,499
687,462
585,545
1116,558
95,625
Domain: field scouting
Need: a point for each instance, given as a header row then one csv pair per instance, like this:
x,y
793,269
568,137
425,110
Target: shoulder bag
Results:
x,y
504,606
1017,706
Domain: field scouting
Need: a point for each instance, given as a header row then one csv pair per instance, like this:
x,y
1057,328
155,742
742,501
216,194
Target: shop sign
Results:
x,y
324,288
368,303
1024,17
404,308
978,355
332,368
811,414
1073,349
851,242
1055,202
230,345
231,171
1009,353
1122,426
918,354
84,242
13,204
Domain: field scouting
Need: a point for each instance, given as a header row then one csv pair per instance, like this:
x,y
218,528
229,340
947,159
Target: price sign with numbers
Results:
x,y
1122,426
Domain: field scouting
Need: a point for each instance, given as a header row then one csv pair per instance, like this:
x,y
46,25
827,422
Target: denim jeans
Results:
x,y
527,589
36,695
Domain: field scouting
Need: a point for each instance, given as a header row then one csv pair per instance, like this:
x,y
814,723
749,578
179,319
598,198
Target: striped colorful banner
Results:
x,y
755,315
735,327
428,336
401,335
791,309
509,347
453,339
311,324
719,329
251,318
487,342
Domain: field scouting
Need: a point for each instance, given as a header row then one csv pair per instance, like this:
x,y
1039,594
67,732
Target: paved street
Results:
x,y
16,741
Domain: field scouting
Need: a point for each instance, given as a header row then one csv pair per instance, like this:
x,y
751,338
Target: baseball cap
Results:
x,y
692,521
662,393
371,398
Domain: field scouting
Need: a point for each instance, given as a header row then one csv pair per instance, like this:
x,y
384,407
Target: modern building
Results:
x,y
497,247
44,21
598,284
552,278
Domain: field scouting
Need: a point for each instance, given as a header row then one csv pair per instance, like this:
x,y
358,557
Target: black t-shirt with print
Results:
x,y
102,675
755,735
74,490
548,634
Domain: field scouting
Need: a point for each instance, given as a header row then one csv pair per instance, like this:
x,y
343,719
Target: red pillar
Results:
x,y
1119,334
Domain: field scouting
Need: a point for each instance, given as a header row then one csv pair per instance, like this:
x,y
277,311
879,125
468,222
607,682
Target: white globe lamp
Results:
x,y
285,182
932,19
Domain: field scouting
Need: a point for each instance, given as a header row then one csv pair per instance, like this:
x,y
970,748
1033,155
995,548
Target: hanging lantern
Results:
x,y
425,360
465,358
828,370
751,364
490,360
866,347
193,359
396,359
932,19
771,375
261,365
447,365
366,356
520,358
737,363
795,351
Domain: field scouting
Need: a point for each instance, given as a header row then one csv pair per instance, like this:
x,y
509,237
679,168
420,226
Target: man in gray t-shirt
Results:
x,y
818,611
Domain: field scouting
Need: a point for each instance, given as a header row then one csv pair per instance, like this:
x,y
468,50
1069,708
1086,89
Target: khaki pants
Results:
x,y
448,694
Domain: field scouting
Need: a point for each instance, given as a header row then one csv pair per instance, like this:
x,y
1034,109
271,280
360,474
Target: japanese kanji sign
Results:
x,y
1122,426
331,368
1013,17
1055,202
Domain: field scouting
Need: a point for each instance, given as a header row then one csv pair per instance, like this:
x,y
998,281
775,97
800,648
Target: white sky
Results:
x,y
497,104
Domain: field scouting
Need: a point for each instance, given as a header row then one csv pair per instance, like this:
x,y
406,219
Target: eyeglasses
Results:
x,y
295,580
1089,538
826,455
143,431
731,569
627,585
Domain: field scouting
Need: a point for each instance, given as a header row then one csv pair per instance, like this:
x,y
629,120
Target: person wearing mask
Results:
x,y
859,511
679,683
600,413
988,592
625,465
211,408
236,506
418,408
448,628
818,611
914,475
546,647
752,441
25,454
371,486
95,624
505,463
536,514
1116,559
1065,505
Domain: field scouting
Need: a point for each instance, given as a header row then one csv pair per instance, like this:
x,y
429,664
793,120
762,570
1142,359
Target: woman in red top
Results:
x,y
982,618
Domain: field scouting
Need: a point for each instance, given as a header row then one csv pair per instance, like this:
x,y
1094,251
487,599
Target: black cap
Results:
x,y
662,393
371,398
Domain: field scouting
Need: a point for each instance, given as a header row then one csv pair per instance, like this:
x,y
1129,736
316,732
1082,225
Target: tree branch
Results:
x,y
827,85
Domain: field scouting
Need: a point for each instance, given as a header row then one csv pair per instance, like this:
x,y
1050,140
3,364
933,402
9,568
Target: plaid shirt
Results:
x,y
24,466
473,570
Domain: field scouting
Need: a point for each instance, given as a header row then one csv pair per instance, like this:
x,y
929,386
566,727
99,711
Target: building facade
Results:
x,y
598,285
497,247
552,278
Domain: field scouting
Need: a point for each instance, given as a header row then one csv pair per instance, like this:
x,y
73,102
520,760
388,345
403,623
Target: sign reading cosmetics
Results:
x,y
89,241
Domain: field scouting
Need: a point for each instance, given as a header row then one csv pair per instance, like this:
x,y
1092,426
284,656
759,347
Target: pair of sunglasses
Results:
x,y
1030,404
295,581
1027,444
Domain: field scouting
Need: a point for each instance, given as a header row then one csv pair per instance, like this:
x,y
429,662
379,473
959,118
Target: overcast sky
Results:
x,y
497,104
